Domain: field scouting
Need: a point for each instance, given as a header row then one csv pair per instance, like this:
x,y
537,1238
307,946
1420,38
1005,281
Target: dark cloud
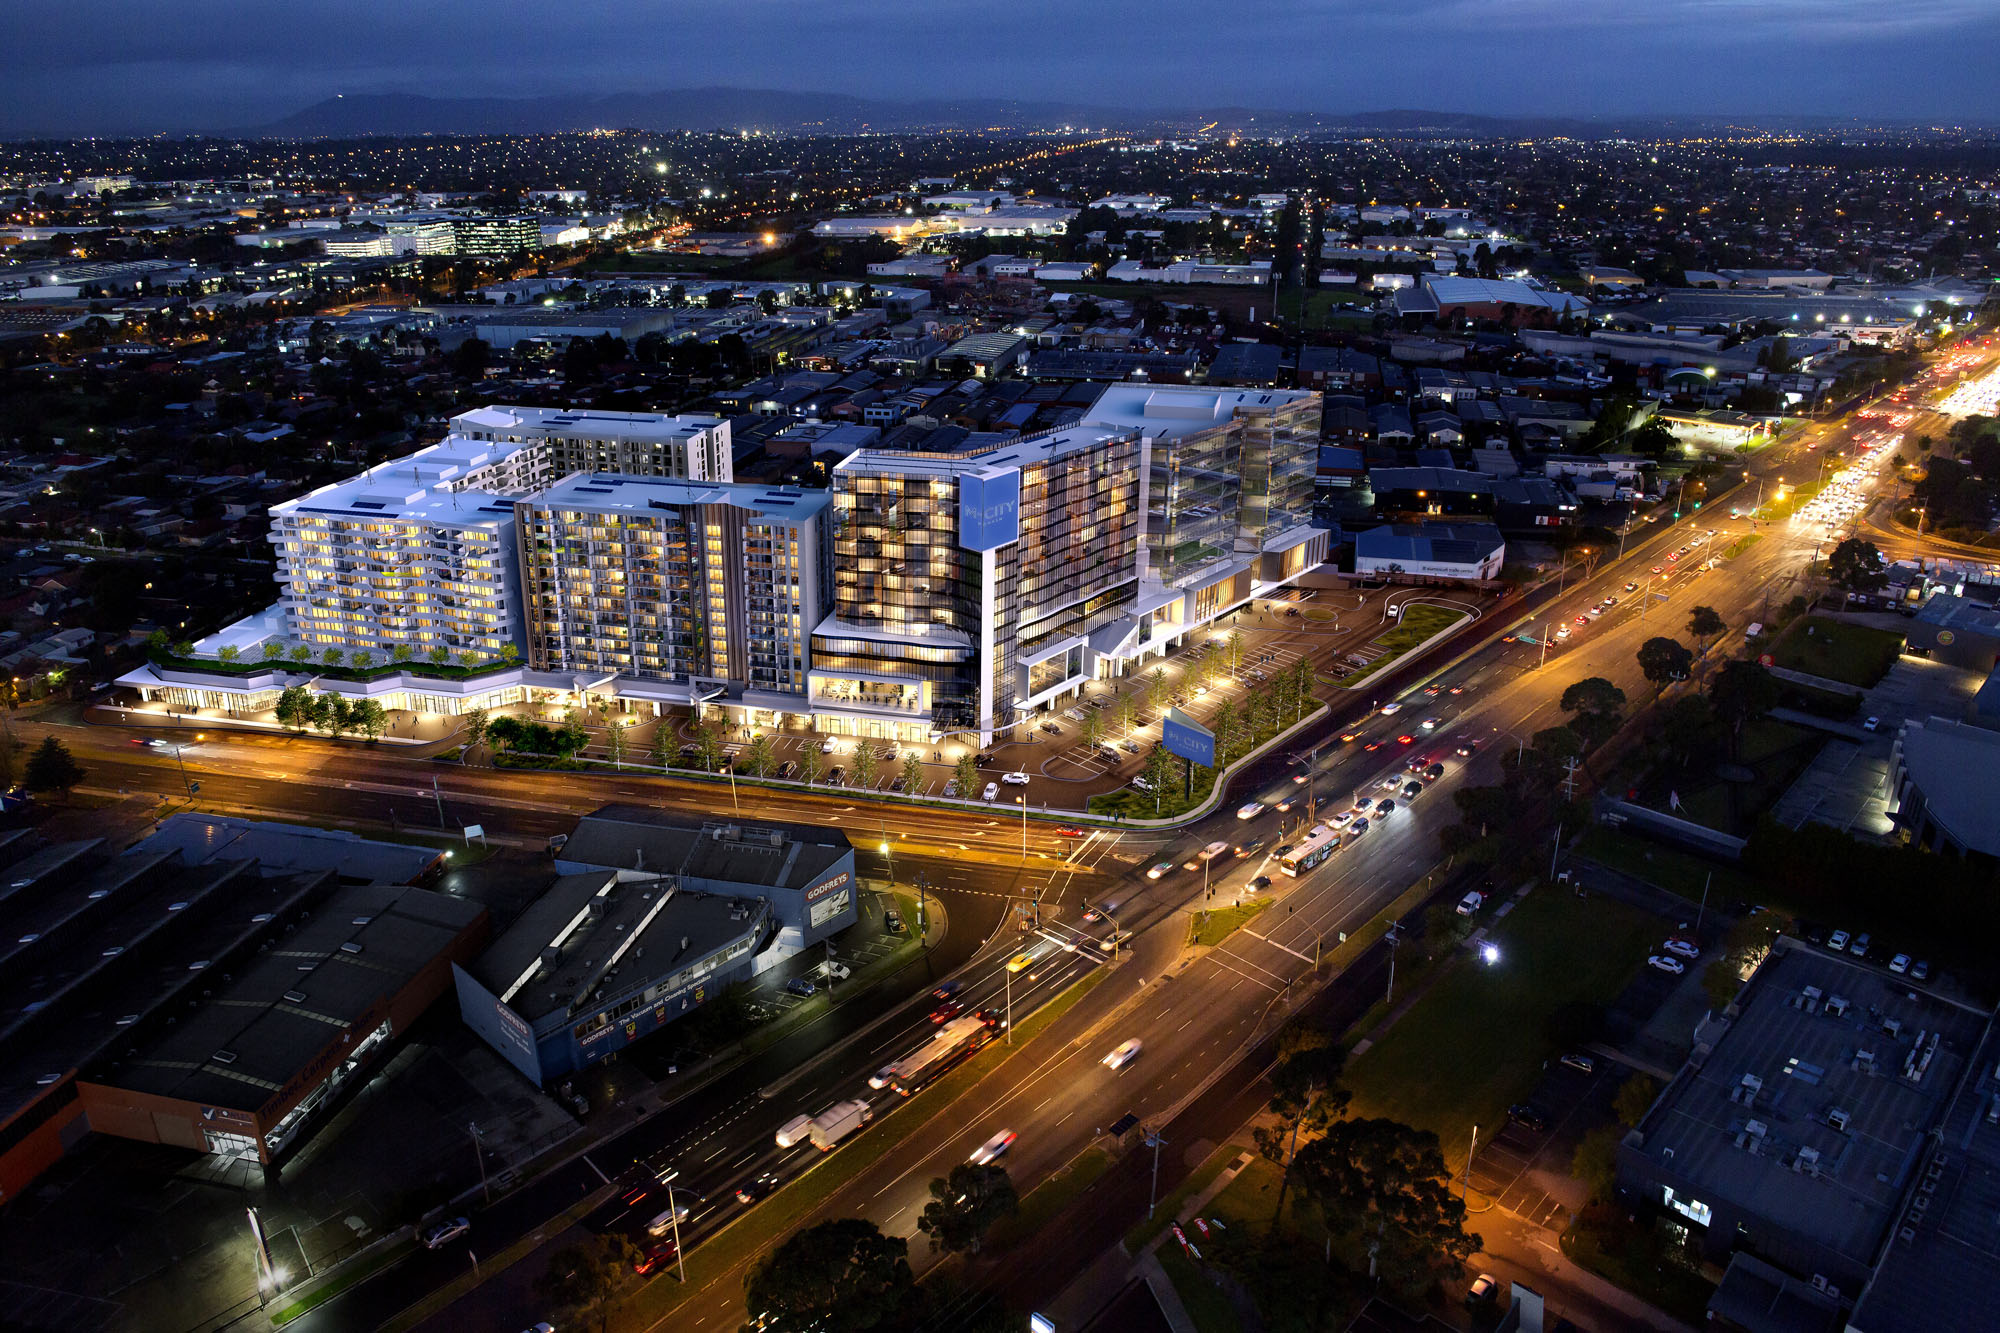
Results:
x,y
111,65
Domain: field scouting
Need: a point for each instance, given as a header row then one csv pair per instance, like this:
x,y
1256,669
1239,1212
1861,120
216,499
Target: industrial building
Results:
x,y
214,987
1807,1130
1425,552
653,917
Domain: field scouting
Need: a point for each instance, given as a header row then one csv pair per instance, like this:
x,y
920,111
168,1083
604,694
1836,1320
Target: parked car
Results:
x,y
1016,779
1582,1064
1860,946
1837,941
1683,948
1485,1287
992,792
1666,963
1920,971
1471,902
1528,1117
1900,964
800,986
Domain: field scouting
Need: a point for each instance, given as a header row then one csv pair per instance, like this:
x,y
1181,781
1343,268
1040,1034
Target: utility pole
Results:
x,y
437,796
1153,1141
485,1191
1555,850
1470,1148
1702,911
1393,939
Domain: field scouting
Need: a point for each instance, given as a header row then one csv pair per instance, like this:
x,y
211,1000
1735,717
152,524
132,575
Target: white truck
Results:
x,y
837,1122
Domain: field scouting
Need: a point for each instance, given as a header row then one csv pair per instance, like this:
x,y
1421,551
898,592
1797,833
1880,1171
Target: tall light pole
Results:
x,y
1153,1140
1010,1006
184,770
668,1178
1024,828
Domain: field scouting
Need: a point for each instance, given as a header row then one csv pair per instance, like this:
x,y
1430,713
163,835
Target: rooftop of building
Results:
x,y
284,849
1941,1266
1173,410
1434,543
592,934
610,492
1450,291
426,486
1938,754
244,1044
1812,1106
758,854
1948,610
1016,451
590,424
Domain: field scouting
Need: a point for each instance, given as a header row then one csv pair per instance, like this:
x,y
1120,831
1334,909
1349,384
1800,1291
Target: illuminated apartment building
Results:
x,y
686,591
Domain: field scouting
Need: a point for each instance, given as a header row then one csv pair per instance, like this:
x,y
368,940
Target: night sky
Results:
x,y
109,66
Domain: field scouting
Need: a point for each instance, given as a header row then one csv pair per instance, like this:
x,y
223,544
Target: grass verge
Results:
x,y
1742,544
1049,1198
1674,870
1213,927
1205,1304
1418,625
1488,1025
349,1275
1852,654
1142,1233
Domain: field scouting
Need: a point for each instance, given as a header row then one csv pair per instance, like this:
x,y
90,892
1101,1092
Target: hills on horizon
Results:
x,y
785,111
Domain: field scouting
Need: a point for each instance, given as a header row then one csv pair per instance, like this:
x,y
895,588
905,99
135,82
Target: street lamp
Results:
x,y
668,1178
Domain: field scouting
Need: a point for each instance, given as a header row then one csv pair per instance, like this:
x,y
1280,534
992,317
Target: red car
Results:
x,y
1406,740
944,1013
655,1255
1067,832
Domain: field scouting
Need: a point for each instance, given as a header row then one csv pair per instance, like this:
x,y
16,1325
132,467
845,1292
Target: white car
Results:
x,y
880,1078
1250,811
445,1232
993,1147
1471,903
1665,963
1016,779
829,747
1682,948
1123,1054
1390,710
1483,1287
1900,964
992,792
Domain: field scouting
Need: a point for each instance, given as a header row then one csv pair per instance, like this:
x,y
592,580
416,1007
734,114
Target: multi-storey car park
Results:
x,y
542,554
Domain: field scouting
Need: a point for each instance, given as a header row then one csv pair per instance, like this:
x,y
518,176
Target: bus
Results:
x,y
1323,843
952,1043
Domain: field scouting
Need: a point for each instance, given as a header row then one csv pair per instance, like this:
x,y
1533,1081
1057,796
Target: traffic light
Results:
x,y
1677,513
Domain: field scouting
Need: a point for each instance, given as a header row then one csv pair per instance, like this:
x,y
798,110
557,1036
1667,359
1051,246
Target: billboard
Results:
x,y
989,508
1187,738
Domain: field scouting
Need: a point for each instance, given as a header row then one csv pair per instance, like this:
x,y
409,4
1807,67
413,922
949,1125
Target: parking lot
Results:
x,y
1514,1166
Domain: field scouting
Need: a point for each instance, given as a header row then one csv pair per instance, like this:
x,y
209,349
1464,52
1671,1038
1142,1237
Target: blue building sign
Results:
x,y
1187,738
989,509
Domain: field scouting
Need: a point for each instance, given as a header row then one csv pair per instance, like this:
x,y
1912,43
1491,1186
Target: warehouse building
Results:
x,y
602,959
805,872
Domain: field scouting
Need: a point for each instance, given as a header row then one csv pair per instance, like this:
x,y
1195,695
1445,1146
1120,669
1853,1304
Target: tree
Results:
x,y
574,737
966,774
439,655
1664,661
1686,726
1385,1194
615,741
505,733
1635,1097
866,764
758,757
228,652
401,653
1653,438
477,721
51,768
1092,726
1741,690
812,763
1125,713
294,708
1595,1162
1704,622
840,1276
1593,704
1303,681
1159,772
1157,689
1225,726
368,718
585,1277
1232,651
331,657
361,658
708,745
913,773
273,650
1306,1093
1855,566
301,654
964,1206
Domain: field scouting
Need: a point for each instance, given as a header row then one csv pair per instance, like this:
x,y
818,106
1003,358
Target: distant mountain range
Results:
x,y
397,114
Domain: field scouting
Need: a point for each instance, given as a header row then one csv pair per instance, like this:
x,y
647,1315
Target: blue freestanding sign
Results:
x,y
1187,738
